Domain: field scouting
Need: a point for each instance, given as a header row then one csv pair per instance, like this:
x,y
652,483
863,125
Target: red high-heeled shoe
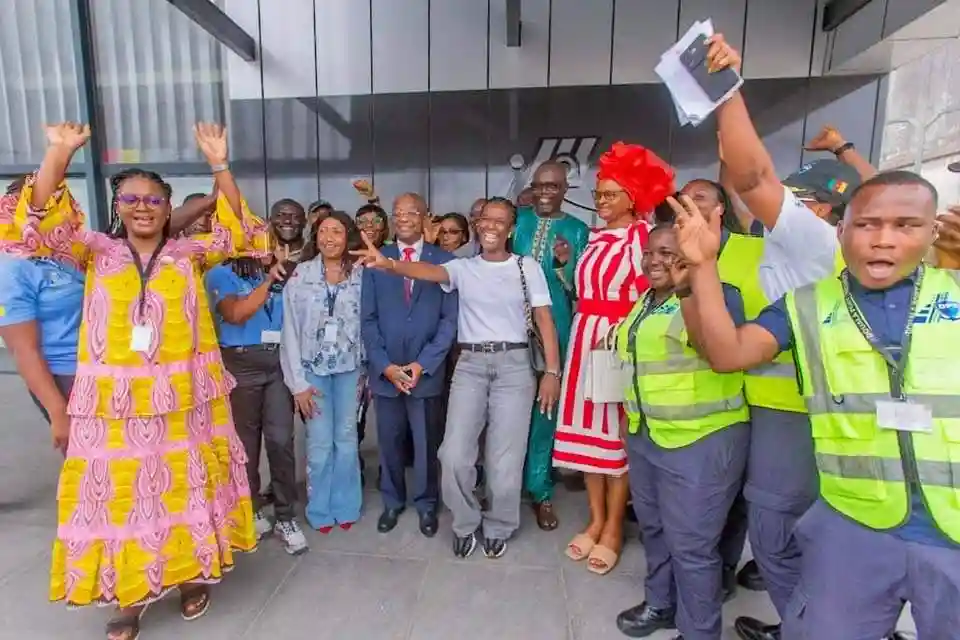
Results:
x,y
325,530
346,526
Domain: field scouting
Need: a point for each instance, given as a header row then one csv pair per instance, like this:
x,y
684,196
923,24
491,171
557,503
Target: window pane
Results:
x,y
38,77
158,74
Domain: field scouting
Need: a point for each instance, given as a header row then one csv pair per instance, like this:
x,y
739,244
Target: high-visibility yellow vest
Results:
x,y
673,389
865,470
774,385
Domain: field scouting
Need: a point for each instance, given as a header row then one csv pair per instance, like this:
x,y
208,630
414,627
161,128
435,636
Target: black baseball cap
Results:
x,y
829,181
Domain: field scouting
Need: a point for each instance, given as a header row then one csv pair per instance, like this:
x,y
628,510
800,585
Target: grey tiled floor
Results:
x,y
357,585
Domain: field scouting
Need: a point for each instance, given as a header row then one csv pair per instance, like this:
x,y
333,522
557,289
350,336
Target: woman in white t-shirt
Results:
x,y
493,383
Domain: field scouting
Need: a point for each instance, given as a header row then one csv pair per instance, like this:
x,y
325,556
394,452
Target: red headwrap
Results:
x,y
646,178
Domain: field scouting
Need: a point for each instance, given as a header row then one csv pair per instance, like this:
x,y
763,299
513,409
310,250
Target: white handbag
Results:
x,y
608,377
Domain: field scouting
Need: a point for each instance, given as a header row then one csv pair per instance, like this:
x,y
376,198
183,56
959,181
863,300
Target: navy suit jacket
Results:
x,y
395,332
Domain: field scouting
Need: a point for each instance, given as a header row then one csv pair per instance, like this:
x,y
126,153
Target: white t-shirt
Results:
x,y
491,297
800,249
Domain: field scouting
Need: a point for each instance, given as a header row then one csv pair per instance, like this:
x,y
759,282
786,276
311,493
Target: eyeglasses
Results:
x,y
405,215
606,196
370,221
133,200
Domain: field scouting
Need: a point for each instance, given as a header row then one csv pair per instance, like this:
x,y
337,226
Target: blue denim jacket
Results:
x,y
307,344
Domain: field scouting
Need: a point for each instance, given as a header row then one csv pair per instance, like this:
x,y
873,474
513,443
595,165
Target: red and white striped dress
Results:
x,y
609,281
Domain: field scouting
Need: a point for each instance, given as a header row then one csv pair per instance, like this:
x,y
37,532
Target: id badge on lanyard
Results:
x,y
331,328
270,336
897,413
141,338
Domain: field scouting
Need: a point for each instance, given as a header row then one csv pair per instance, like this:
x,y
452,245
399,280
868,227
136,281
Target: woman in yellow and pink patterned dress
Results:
x,y
153,494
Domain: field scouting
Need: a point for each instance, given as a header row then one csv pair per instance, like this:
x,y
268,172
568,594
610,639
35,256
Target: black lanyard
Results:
x,y
144,272
331,294
896,367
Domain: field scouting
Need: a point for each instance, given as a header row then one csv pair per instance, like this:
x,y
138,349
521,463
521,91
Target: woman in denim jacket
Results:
x,y
322,357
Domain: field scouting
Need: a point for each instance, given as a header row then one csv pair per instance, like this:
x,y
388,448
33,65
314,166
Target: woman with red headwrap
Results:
x,y
631,181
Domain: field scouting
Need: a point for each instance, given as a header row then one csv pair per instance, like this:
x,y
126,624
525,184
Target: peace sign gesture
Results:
x,y
371,256
698,237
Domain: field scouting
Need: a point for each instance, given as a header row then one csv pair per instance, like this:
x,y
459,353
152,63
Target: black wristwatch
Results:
x,y
846,146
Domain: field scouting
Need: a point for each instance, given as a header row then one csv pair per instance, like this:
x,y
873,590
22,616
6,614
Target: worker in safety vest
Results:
x,y
687,447
798,247
876,350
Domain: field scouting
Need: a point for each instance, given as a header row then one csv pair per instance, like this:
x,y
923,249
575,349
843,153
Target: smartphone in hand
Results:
x,y
715,85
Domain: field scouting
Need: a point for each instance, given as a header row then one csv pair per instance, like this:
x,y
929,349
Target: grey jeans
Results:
x,y
496,390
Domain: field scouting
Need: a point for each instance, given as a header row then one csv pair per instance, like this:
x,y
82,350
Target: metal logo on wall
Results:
x,y
575,152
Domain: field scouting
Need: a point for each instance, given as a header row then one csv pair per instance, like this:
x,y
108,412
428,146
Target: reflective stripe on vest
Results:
x,y
675,391
865,470
774,386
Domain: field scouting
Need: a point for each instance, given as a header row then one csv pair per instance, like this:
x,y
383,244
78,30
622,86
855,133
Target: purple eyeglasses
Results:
x,y
133,200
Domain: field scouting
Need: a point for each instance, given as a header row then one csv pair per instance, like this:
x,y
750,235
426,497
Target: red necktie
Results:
x,y
407,282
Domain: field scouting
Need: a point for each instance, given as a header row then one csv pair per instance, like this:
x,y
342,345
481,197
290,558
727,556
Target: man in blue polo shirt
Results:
x,y
249,314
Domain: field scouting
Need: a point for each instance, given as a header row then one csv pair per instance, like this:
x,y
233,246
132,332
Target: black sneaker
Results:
x,y
494,547
463,546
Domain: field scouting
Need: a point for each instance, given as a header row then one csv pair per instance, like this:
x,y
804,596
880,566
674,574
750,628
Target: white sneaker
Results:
x,y
294,541
262,525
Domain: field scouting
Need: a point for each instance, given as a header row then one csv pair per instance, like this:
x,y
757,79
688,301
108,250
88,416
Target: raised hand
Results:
x,y
68,135
828,139
948,239
371,256
364,188
212,141
698,237
431,229
721,55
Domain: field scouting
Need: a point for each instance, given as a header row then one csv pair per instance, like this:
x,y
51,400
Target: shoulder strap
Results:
x,y
527,309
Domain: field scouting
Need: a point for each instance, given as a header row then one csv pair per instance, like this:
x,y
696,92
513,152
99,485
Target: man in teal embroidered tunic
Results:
x,y
554,239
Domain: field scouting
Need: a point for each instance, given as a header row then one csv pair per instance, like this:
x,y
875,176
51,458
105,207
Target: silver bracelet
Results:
x,y
217,168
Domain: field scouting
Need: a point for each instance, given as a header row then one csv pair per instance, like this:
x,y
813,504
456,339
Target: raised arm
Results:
x,y
830,139
709,323
235,230
46,221
189,212
749,166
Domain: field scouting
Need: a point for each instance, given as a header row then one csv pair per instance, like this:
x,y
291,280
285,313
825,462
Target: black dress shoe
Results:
x,y
900,635
729,582
753,629
388,520
750,579
429,523
642,620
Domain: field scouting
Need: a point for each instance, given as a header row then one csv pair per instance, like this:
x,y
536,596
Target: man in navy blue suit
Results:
x,y
408,328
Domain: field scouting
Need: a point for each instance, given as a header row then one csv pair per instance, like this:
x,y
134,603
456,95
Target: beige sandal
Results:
x,y
606,557
579,548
